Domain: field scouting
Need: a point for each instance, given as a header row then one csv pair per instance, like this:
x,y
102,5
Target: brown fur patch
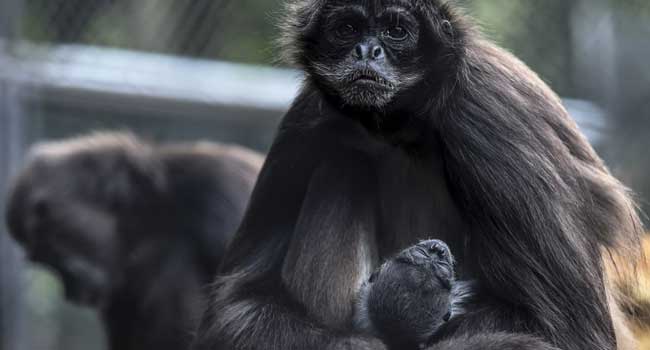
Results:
x,y
631,281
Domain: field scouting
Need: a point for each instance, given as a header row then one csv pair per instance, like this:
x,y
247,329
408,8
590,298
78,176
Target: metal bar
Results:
x,y
11,264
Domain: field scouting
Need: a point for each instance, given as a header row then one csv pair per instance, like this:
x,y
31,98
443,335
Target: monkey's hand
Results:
x,y
409,296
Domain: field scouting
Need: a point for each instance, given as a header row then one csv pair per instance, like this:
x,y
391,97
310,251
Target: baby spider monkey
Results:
x,y
412,295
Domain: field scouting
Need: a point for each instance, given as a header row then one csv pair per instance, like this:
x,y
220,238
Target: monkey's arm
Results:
x,y
528,242
540,202
288,278
333,249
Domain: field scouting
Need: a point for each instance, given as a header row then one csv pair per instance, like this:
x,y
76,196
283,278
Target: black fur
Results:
x,y
134,230
476,151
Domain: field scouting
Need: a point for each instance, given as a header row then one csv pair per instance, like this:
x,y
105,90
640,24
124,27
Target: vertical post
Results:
x,y
594,43
11,147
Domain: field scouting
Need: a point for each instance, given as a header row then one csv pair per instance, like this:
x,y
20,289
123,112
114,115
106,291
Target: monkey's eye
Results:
x,y
396,33
447,27
346,30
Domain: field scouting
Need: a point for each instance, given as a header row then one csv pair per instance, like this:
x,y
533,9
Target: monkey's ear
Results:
x,y
447,27
447,20
135,177
300,17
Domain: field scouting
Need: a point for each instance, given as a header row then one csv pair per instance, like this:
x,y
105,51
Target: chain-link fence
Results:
x,y
199,28
168,26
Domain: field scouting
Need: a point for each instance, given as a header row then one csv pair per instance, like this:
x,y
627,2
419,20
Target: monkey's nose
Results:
x,y
377,52
366,51
359,51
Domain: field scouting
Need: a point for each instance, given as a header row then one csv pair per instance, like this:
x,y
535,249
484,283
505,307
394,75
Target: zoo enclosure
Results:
x,y
164,68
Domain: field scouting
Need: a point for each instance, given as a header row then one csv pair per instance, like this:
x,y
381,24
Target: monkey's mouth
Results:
x,y
370,78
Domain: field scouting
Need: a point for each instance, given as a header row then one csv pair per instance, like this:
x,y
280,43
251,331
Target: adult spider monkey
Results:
x,y
134,230
410,124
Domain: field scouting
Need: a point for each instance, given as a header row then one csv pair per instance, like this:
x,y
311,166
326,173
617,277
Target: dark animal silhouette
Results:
x,y
133,229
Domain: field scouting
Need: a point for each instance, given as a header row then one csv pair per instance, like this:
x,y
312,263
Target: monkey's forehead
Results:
x,y
375,4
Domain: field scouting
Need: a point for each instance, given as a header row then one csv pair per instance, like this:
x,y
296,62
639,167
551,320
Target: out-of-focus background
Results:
x,y
205,69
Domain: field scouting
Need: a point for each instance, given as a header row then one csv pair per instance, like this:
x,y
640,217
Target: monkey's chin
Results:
x,y
367,95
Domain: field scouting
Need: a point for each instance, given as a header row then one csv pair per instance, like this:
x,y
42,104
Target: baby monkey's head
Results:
x,y
410,296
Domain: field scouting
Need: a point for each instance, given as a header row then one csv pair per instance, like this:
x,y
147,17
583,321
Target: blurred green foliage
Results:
x,y
538,31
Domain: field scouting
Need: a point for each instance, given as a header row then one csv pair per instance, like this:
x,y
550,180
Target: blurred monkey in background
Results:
x,y
133,229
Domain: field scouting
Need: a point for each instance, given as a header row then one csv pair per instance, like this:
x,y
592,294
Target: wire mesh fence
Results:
x,y
199,28
178,27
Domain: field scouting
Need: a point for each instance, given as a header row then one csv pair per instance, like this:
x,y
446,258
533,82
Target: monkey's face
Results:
x,y
58,229
369,52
